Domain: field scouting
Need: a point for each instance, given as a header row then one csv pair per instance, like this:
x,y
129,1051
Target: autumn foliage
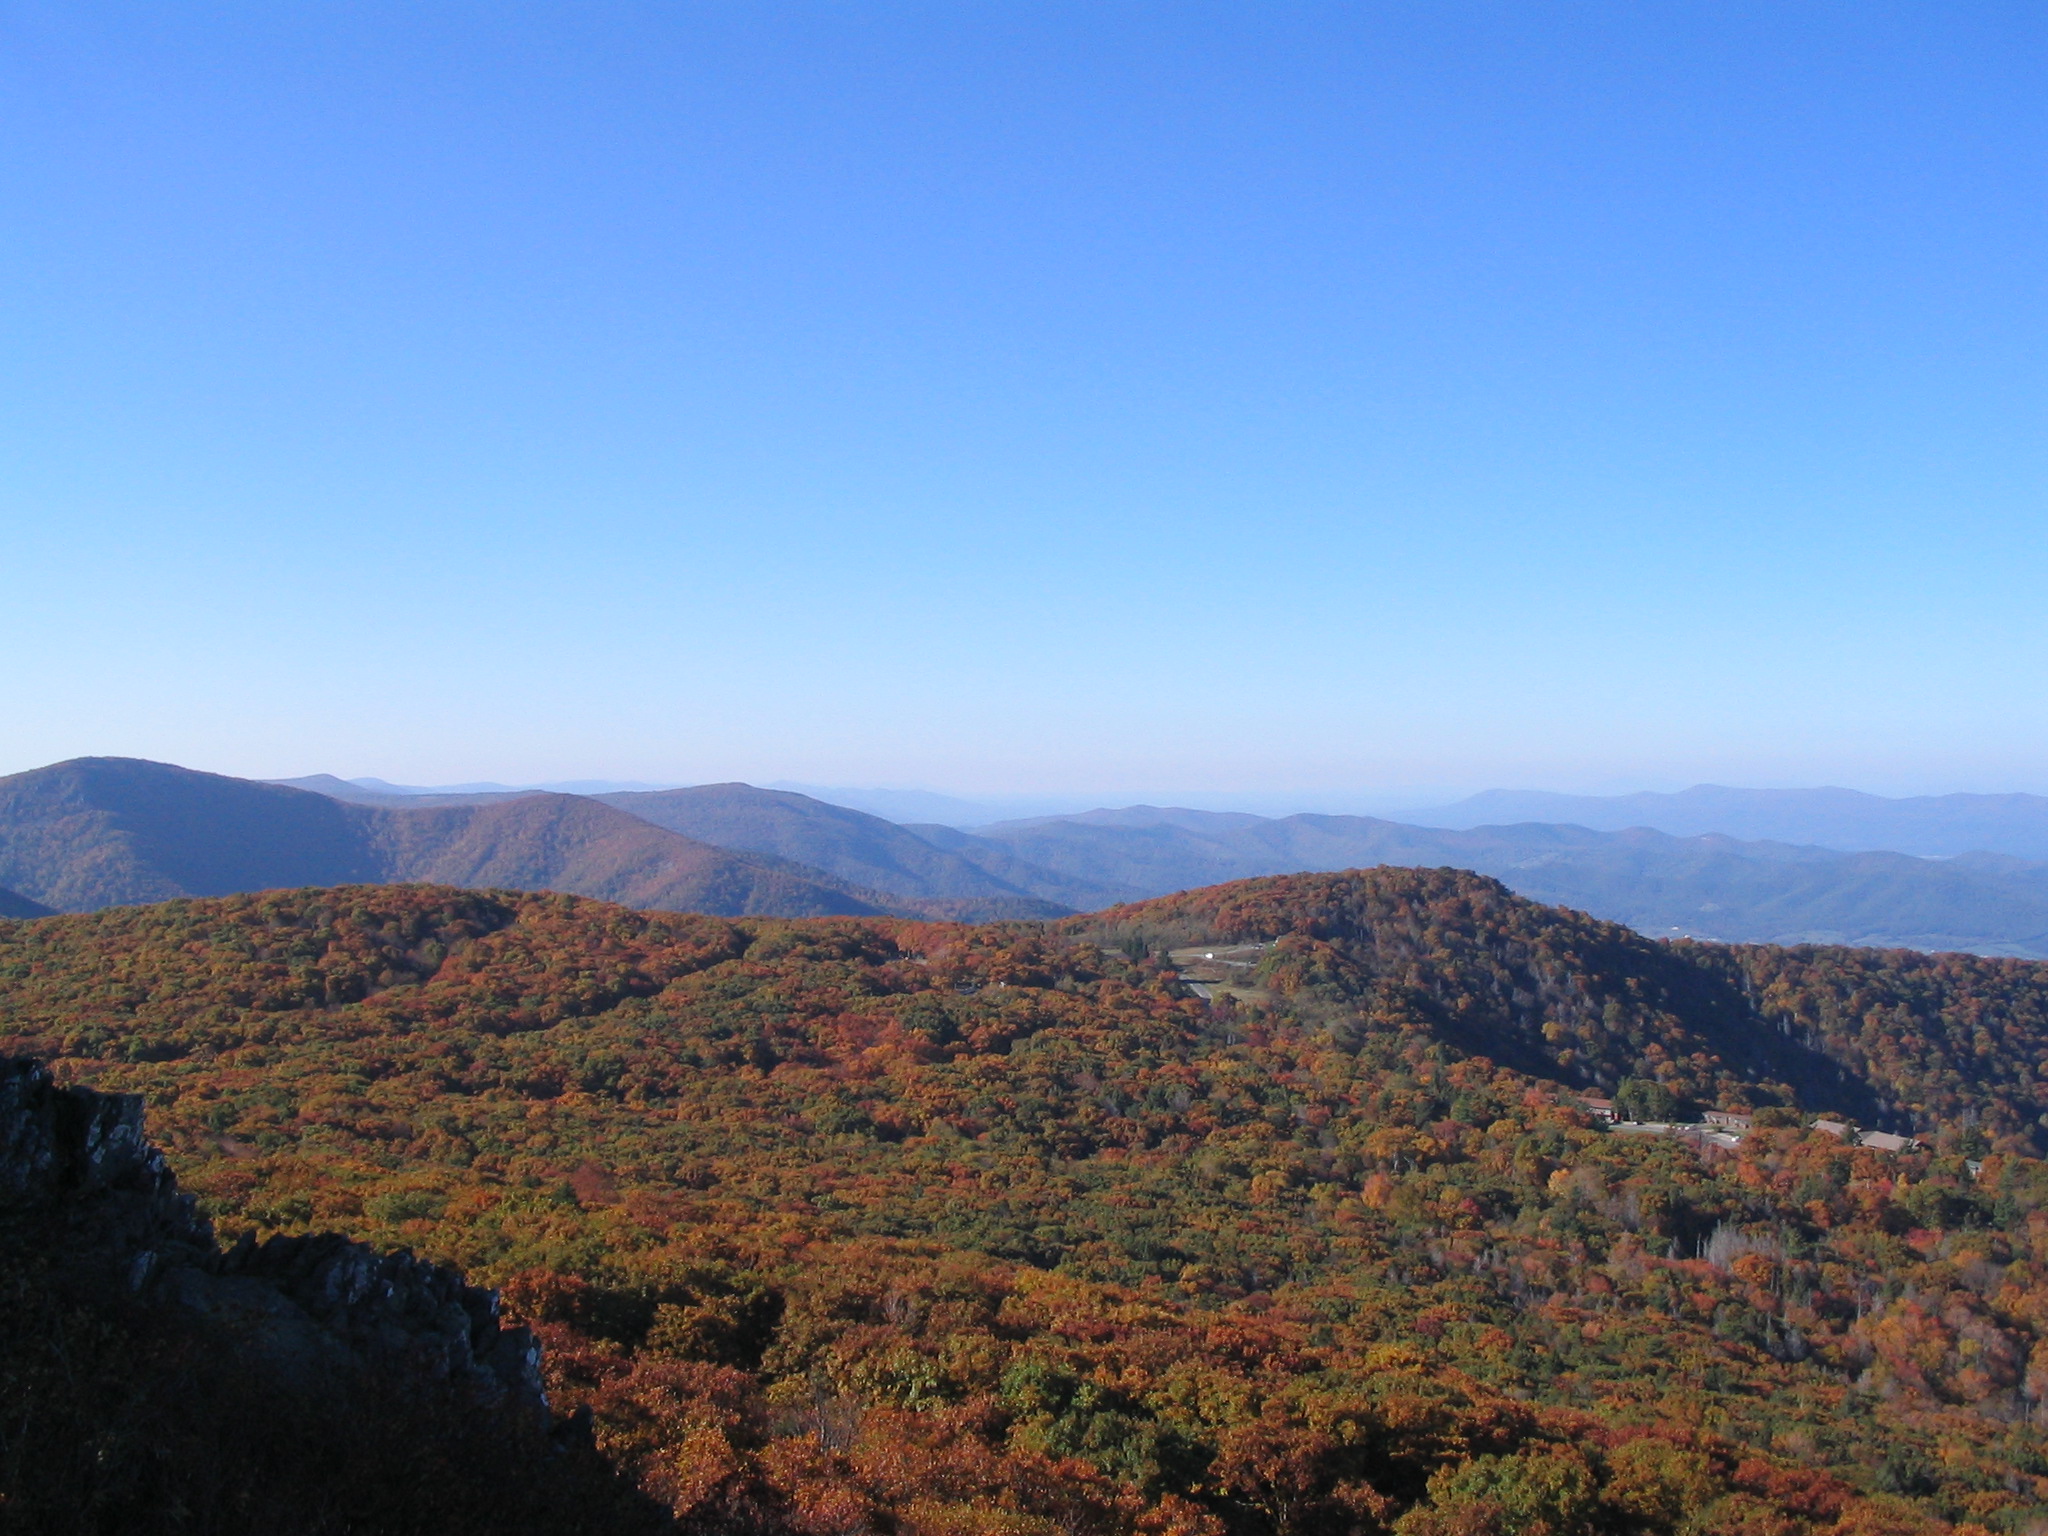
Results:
x,y
850,1225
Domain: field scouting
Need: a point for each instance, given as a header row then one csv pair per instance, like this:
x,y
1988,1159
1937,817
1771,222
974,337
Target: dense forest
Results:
x,y
864,1224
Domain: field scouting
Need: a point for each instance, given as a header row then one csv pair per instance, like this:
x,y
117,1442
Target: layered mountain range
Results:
x,y
104,831
1935,826
99,832
1707,886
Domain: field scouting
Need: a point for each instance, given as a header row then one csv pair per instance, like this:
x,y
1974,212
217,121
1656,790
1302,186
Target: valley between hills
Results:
x,y
808,1175
865,1223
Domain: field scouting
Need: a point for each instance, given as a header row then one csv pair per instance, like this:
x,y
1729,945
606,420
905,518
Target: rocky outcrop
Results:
x,y
325,1293
82,1157
78,1162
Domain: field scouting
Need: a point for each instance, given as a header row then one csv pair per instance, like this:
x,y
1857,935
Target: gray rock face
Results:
x,y
81,1158
83,1155
390,1306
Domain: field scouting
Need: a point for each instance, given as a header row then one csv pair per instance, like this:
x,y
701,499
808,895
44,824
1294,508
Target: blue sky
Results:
x,y
1331,401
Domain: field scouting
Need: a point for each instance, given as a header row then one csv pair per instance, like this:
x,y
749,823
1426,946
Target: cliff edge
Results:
x,y
157,1382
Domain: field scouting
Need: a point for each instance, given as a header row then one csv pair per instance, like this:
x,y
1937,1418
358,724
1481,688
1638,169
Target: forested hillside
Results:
x,y
1890,1036
867,1224
102,831
98,831
570,843
862,849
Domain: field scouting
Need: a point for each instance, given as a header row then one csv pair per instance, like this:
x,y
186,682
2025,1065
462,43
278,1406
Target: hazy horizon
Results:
x,y
1050,799
1353,801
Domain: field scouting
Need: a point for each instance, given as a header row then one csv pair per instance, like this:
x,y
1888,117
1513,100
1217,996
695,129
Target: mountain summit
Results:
x,y
104,831
98,832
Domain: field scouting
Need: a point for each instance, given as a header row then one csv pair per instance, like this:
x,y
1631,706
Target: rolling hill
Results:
x,y
99,832
570,843
1076,889
1845,819
1889,1036
861,849
1705,887
862,1224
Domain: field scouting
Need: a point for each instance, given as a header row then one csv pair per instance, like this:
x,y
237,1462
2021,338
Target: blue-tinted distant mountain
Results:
x,y
1704,887
14,904
98,832
880,863
1847,819
379,792
864,850
335,789
908,807
559,787
101,831
1135,816
1079,891
355,792
922,807
386,787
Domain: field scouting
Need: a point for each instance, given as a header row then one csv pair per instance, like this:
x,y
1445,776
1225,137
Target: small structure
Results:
x,y
1727,1119
1219,970
1834,1128
1885,1141
1597,1107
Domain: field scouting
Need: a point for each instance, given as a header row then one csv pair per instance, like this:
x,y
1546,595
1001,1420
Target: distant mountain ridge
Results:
x,y
379,792
102,831
1703,885
1844,819
98,832
903,806
327,783
1078,887
1710,886
355,792
863,849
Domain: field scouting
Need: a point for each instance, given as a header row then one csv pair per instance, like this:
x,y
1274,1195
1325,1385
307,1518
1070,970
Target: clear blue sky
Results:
x,y
1020,397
